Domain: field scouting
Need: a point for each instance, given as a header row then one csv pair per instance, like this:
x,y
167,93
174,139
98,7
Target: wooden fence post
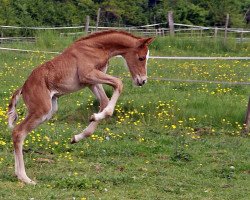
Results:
x,y
97,19
226,26
87,25
241,35
1,30
162,32
215,32
192,32
247,119
171,23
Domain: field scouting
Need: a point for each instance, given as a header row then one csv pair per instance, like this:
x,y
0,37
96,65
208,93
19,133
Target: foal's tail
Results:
x,y
12,114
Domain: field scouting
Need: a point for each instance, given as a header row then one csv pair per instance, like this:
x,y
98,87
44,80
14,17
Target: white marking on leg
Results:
x,y
53,92
108,111
53,109
86,132
54,104
16,164
19,164
99,116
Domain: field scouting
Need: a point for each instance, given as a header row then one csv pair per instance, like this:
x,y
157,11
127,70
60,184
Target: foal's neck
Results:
x,y
115,43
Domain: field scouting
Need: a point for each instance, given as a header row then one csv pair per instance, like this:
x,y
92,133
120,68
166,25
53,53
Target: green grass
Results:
x,y
166,140
198,46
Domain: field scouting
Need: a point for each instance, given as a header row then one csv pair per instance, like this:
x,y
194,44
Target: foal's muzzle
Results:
x,y
140,80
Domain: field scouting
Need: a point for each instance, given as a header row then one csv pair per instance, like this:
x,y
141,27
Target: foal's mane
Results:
x,y
103,33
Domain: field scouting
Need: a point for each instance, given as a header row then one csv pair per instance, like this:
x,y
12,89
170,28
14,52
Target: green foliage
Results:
x,y
218,10
128,12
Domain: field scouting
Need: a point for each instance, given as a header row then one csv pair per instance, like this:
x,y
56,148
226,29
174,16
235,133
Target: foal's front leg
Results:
x,y
98,77
100,94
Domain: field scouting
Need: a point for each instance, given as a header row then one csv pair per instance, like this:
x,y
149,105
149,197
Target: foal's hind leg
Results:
x,y
34,118
54,107
18,135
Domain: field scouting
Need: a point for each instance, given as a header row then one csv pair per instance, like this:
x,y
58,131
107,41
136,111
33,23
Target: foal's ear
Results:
x,y
145,41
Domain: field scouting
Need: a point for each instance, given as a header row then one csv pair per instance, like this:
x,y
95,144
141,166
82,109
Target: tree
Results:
x,y
128,12
7,13
217,11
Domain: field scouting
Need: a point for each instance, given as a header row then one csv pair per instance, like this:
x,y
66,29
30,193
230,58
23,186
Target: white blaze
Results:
x,y
147,56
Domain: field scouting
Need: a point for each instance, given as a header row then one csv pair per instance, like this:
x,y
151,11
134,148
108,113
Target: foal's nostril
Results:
x,y
144,81
140,81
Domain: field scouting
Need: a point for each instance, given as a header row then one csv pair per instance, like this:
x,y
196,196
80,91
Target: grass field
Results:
x,y
166,140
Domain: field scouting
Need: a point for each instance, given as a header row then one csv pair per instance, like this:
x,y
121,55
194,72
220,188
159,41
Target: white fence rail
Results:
x,y
151,57
150,28
163,57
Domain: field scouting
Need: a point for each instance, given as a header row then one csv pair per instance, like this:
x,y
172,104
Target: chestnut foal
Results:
x,y
83,64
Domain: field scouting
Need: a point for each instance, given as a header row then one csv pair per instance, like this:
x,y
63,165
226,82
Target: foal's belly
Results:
x,y
66,81
68,86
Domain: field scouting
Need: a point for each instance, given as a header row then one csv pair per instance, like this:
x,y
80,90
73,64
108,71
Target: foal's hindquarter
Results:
x,y
83,64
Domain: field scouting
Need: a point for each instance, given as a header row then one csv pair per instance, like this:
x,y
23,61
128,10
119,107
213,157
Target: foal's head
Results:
x,y
136,59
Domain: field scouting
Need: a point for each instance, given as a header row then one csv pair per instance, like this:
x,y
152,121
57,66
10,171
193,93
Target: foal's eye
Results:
x,y
141,58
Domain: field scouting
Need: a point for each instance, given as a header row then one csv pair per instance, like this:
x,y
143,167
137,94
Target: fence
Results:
x,y
13,33
240,35
150,29
161,57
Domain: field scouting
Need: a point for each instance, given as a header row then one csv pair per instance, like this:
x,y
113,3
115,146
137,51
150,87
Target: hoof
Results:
x,y
27,181
73,140
92,118
31,182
